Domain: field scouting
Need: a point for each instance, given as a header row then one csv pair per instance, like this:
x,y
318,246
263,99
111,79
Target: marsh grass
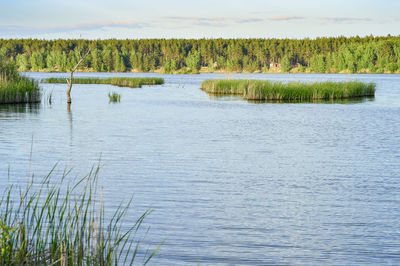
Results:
x,y
261,90
114,97
15,88
64,224
122,82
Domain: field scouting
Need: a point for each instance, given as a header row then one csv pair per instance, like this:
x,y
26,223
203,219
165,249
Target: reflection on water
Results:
x,y
70,120
69,113
230,183
10,109
221,97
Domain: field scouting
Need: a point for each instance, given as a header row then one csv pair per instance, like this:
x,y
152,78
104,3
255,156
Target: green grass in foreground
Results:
x,y
114,97
122,82
262,90
64,224
15,88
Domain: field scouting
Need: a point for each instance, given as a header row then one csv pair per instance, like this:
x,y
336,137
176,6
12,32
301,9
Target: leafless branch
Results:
x,y
69,81
81,59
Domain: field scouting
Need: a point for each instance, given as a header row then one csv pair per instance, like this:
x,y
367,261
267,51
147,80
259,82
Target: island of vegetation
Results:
x,y
15,88
121,82
262,90
321,55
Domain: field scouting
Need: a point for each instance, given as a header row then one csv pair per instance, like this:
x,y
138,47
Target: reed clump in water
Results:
x,y
114,97
64,224
262,90
15,88
122,82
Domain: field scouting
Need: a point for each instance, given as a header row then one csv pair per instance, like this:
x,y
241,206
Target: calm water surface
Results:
x,y
230,182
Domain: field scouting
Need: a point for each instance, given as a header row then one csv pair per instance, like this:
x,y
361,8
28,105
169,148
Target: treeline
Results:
x,y
323,55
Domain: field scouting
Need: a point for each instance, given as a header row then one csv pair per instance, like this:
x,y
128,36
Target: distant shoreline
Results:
x,y
221,71
191,56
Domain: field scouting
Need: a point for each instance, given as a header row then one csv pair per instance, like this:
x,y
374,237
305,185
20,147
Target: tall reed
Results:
x,y
15,88
114,97
64,224
122,82
292,91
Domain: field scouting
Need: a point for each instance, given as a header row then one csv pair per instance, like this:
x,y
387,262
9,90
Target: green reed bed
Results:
x,y
15,88
262,90
122,82
59,223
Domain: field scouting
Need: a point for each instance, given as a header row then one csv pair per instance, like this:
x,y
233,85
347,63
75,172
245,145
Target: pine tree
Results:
x,y
22,62
37,61
193,61
96,60
285,64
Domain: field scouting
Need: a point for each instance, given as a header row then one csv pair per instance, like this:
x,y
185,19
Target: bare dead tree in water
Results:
x,y
69,81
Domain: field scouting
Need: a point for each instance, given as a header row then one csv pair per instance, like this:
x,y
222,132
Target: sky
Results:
x,y
138,19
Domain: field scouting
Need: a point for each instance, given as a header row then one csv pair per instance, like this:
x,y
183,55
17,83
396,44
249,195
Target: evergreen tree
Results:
x,y
193,61
106,55
22,62
221,62
135,60
119,63
61,61
235,56
96,60
73,58
37,61
211,65
285,64
318,64
169,66
51,61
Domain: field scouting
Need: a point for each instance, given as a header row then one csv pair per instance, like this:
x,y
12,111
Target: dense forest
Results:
x,y
322,55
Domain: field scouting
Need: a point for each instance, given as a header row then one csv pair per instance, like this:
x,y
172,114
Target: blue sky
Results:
x,y
135,19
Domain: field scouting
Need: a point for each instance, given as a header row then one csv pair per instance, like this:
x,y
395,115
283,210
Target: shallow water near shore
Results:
x,y
230,182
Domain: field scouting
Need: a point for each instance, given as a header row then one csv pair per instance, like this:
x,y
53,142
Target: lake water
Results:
x,y
230,182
